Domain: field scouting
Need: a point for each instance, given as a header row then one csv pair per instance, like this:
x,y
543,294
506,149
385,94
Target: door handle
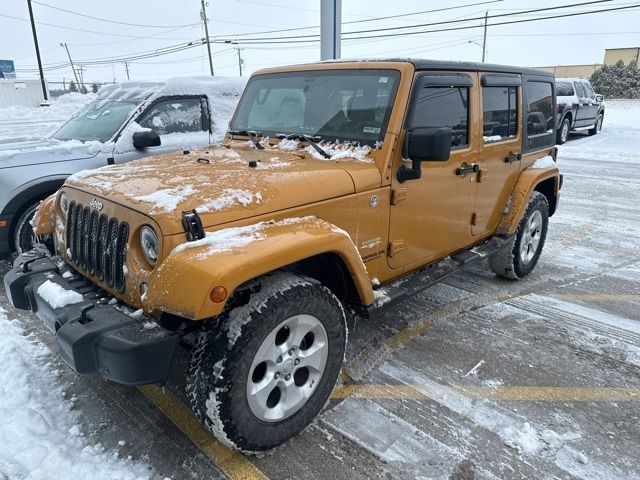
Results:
x,y
473,168
513,157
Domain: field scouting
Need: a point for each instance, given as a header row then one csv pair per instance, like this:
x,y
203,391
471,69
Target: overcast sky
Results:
x,y
573,40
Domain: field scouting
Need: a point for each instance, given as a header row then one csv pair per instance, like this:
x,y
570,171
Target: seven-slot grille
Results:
x,y
97,244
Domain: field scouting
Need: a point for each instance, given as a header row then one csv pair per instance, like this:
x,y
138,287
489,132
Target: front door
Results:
x,y
181,123
430,216
501,150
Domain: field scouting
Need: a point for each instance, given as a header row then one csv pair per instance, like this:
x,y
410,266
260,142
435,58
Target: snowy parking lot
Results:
x,y
477,377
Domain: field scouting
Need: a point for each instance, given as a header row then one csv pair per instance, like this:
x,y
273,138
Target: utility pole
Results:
x,y
203,17
126,68
240,61
484,37
73,68
330,29
35,42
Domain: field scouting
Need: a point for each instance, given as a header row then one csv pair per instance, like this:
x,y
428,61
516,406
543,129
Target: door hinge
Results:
x,y
398,196
476,218
395,247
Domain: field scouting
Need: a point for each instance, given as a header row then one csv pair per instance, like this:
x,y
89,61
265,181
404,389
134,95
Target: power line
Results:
x,y
82,30
104,19
442,22
269,41
374,19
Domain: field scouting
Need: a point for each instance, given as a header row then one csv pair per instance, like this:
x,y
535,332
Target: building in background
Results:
x,y
27,93
627,55
611,57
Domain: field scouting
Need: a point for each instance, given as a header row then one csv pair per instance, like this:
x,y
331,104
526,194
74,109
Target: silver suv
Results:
x,y
126,121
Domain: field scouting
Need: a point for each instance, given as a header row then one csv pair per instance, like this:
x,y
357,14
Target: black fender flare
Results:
x,y
39,188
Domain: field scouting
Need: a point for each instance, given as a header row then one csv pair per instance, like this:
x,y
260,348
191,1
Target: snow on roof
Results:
x,y
142,90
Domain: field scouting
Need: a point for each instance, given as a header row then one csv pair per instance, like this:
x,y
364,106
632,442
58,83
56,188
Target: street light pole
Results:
x,y
484,37
203,16
35,42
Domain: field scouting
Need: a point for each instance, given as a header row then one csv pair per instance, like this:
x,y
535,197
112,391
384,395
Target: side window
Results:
x,y
500,113
540,111
443,107
580,90
175,115
590,93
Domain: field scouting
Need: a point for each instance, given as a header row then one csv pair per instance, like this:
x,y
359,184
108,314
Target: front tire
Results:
x,y
23,237
520,255
597,127
261,373
563,131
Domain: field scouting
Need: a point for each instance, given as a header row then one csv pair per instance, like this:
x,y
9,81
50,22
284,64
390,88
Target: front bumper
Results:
x,y
94,337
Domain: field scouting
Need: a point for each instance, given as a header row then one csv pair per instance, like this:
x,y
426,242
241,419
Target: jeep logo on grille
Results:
x,y
96,204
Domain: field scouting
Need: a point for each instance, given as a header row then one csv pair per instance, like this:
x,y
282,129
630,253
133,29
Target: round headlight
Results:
x,y
64,204
149,244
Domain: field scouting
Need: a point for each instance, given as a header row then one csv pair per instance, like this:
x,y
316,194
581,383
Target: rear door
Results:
x,y
583,111
430,216
593,105
501,153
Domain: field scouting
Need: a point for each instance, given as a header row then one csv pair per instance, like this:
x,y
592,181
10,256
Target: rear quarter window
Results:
x,y
539,114
564,89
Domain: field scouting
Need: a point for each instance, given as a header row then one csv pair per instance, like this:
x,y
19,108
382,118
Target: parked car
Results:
x,y
340,187
127,121
579,108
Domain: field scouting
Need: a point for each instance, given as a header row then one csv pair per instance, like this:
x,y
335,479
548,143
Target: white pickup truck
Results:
x,y
127,121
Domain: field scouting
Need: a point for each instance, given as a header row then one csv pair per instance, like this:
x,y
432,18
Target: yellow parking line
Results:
x,y
596,297
517,393
233,463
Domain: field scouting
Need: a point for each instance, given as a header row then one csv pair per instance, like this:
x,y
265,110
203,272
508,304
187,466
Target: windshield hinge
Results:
x,y
192,225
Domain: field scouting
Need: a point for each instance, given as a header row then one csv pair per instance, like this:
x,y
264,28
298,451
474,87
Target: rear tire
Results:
x,y
563,131
520,255
597,127
263,371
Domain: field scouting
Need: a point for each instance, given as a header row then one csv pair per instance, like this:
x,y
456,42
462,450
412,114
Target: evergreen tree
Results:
x,y
95,87
72,86
617,81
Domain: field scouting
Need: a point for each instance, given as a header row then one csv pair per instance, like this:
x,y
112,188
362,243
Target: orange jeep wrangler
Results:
x,y
342,186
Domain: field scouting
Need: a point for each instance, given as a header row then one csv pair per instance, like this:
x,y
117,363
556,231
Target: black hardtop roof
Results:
x,y
449,65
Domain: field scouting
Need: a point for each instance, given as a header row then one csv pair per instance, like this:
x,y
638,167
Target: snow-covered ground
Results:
x,y
475,378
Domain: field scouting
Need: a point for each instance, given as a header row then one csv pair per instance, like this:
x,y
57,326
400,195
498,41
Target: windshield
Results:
x,y
99,121
342,105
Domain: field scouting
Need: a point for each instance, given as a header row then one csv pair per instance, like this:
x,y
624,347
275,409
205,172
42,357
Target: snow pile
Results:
x,y
58,296
341,150
61,108
544,162
380,297
229,198
492,138
166,200
237,237
40,433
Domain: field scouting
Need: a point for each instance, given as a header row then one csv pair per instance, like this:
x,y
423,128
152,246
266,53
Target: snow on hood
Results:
x,y
31,152
219,183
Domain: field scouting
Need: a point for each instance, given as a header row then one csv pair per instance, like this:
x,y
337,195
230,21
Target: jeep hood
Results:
x,y
224,184
20,152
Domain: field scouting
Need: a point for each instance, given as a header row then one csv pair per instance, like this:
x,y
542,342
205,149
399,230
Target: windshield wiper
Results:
x,y
252,134
308,138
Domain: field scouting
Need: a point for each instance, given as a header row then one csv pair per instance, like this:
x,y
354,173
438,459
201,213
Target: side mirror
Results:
x,y
599,98
424,144
148,138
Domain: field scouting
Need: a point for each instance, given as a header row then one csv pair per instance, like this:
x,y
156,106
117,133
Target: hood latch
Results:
x,y
192,225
